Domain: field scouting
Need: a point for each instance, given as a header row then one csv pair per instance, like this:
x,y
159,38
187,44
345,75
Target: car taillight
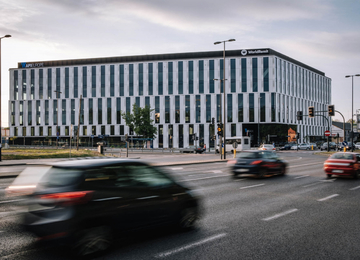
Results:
x,y
256,162
67,198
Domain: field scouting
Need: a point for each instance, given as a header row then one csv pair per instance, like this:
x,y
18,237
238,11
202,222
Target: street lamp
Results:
x,y
6,36
352,108
224,118
259,123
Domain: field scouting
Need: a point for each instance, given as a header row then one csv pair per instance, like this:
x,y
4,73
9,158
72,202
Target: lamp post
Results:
x,y
352,108
259,123
6,36
57,118
224,118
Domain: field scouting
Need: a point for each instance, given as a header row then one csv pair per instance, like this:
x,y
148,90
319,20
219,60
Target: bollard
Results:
x,y
235,153
344,149
312,148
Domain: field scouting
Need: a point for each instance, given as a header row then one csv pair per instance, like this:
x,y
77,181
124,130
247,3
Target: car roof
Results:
x,y
92,163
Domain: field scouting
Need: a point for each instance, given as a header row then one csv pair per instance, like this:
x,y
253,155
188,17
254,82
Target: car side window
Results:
x,y
100,177
146,176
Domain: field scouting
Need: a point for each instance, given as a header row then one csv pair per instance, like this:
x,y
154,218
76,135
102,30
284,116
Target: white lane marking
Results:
x,y
302,176
328,197
252,186
295,166
112,198
312,184
178,168
218,171
355,188
280,214
183,248
225,175
147,198
240,180
8,201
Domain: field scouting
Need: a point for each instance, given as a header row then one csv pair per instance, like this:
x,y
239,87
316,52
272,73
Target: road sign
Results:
x,y
327,133
92,136
235,145
344,143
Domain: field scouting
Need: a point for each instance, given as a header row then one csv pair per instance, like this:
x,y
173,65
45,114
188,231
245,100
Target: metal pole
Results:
x,y
78,130
352,113
224,125
259,123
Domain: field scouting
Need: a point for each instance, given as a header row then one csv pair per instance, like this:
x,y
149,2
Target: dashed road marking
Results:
x,y
189,246
355,188
178,168
328,197
280,214
252,186
302,176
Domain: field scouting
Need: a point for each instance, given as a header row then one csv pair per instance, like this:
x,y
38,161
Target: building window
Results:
x,y
84,76
67,82
23,84
16,85
93,130
49,74
198,108
29,113
66,130
128,105
141,79
109,111
55,112
99,111
32,84
273,107
233,75
76,80
73,111
233,129
191,77
150,78
160,78
170,136
266,73
255,74
262,107
21,112
102,80
112,130
147,101
167,109
187,109
57,81
180,77
211,76
122,130
15,131
38,115
46,112
81,111
137,101
91,111
49,132
243,75
161,136
201,76
32,131
63,112
131,79
177,109
24,131
121,80
229,108
181,136
13,113
112,80
157,110
208,108
240,108
201,134
170,78
218,108
41,83
93,81
251,107
41,131
118,111
103,130
191,134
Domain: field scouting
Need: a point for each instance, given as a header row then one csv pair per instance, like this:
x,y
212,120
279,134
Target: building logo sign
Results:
x,y
31,65
254,52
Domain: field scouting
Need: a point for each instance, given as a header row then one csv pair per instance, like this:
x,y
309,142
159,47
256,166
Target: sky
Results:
x,y
324,34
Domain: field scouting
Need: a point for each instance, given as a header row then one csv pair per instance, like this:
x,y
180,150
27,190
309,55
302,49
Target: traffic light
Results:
x,y
126,137
298,136
219,129
213,121
311,111
299,115
331,110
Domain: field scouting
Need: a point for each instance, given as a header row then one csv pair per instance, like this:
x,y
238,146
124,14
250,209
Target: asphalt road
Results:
x,y
298,216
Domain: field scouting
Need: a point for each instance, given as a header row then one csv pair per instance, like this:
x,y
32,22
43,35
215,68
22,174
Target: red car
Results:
x,y
343,164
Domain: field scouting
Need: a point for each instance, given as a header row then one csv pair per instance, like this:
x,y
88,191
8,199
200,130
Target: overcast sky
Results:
x,y
324,34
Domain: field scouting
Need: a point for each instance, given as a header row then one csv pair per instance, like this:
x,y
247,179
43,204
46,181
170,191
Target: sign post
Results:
x,y
327,134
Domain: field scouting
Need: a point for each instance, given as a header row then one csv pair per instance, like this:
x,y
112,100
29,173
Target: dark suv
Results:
x,y
87,202
332,146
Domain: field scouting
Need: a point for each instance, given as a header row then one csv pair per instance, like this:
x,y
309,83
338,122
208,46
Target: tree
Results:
x,y
140,121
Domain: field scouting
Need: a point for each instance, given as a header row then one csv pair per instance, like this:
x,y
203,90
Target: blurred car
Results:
x,y
267,147
343,163
85,203
294,147
357,145
304,146
332,146
286,147
258,162
313,146
192,149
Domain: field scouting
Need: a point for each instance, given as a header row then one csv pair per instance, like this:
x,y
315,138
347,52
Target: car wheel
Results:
x,y
188,218
328,176
92,240
262,173
283,170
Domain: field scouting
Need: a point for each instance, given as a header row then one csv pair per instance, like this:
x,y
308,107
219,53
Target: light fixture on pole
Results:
x,y
352,108
224,117
57,118
6,36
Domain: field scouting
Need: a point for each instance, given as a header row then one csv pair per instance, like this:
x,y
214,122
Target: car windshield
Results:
x,y
344,156
247,155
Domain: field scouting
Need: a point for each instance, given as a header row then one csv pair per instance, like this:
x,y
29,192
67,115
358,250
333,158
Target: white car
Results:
x,y
357,145
294,147
268,147
304,147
